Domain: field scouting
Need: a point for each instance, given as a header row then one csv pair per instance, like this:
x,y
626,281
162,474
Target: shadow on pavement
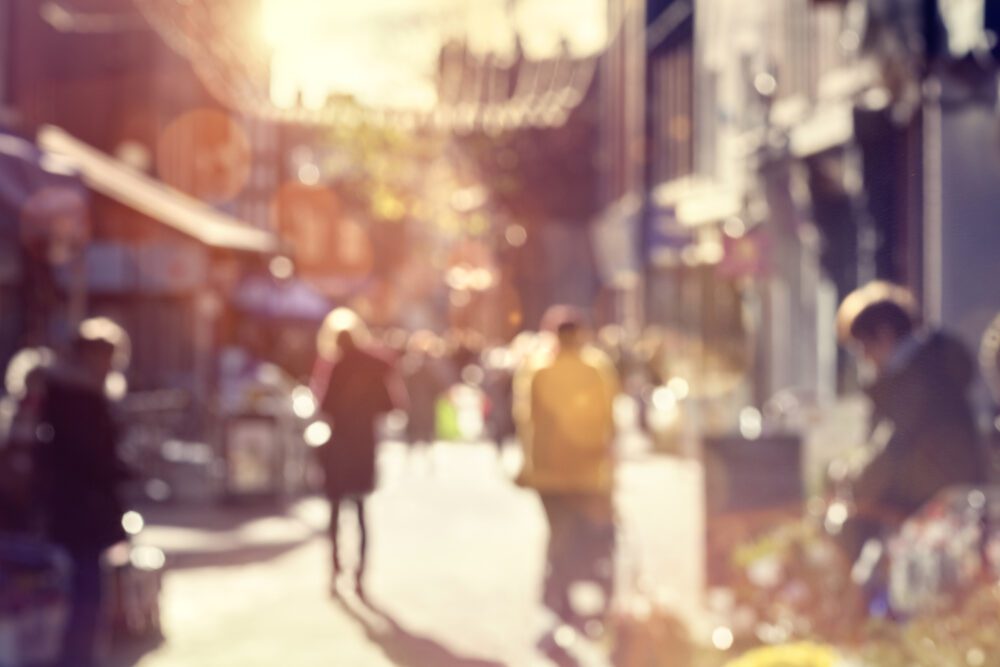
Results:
x,y
220,515
222,534
402,647
128,652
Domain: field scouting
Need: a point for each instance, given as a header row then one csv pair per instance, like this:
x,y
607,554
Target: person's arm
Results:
x,y
873,484
894,441
521,409
612,388
397,398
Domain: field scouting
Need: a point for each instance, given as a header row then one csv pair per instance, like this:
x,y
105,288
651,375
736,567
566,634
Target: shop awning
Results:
x,y
291,299
41,198
187,215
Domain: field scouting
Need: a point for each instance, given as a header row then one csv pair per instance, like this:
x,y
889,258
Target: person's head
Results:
x,y
567,324
345,340
342,330
874,319
569,335
99,347
95,357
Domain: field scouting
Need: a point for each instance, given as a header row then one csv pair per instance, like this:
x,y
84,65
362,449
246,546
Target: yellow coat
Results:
x,y
564,410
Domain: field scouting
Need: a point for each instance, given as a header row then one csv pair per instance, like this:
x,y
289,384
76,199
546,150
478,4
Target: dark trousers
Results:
x,y
359,504
85,624
581,548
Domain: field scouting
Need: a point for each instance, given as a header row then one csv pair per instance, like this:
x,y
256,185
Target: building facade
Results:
x,y
99,73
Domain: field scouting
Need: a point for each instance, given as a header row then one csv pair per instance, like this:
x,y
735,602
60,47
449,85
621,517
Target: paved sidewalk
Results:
x,y
194,535
457,552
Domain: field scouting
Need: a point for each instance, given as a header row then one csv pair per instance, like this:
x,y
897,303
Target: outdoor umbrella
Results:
x,y
289,299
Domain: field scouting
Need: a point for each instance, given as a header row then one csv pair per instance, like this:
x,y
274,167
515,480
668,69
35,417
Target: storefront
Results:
x,y
43,227
160,263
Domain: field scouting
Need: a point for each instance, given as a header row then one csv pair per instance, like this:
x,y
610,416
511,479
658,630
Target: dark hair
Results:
x,y
86,346
567,328
877,307
100,335
559,316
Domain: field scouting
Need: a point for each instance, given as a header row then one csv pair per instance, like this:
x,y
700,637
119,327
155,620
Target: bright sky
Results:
x,y
385,52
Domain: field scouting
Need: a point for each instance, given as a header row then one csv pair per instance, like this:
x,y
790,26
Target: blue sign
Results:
x,y
665,237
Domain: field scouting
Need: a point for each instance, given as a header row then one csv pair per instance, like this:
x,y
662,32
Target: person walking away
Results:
x,y
78,474
426,379
499,388
361,386
924,434
565,422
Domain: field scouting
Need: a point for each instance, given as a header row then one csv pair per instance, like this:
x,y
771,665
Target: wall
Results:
x,y
963,233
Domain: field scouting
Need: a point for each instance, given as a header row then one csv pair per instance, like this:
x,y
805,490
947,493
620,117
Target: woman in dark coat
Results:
x,y
362,386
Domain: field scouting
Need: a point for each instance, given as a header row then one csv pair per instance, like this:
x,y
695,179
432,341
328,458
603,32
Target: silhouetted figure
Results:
x,y
498,385
924,431
566,425
21,408
78,474
427,375
361,386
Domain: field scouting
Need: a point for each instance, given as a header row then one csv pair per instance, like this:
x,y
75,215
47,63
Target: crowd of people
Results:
x,y
553,391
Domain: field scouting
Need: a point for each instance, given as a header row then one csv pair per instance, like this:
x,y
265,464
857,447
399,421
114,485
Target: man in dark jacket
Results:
x,y
78,472
924,436
360,387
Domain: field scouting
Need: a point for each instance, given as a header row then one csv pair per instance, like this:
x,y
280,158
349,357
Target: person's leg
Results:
x,y
557,576
86,610
359,502
334,523
601,541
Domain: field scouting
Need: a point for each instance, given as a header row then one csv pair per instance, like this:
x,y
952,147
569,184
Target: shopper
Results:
x,y
565,419
361,386
78,473
924,435
427,375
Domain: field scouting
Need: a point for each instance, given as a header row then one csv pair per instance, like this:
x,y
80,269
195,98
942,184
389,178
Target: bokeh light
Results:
x,y
205,153
133,523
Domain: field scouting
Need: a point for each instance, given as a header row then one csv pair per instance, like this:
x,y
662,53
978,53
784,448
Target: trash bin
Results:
x,y
253,453
135,583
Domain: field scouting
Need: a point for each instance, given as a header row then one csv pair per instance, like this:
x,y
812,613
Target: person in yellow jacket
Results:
x,y
564,409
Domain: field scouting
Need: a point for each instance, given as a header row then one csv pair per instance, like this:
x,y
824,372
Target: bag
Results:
x,y
446,419
35,579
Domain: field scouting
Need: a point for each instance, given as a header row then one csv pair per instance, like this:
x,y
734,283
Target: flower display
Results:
x,y
802,654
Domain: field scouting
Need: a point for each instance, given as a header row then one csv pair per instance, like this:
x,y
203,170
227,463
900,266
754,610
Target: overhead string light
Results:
x,y
460,65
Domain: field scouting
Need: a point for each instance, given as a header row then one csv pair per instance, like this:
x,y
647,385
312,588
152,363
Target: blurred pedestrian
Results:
x,y
498,385
21,412
924,435
466,347
565,421
78,474
360,386
427,376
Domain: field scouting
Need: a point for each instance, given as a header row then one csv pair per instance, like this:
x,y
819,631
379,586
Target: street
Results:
x,y
454,574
